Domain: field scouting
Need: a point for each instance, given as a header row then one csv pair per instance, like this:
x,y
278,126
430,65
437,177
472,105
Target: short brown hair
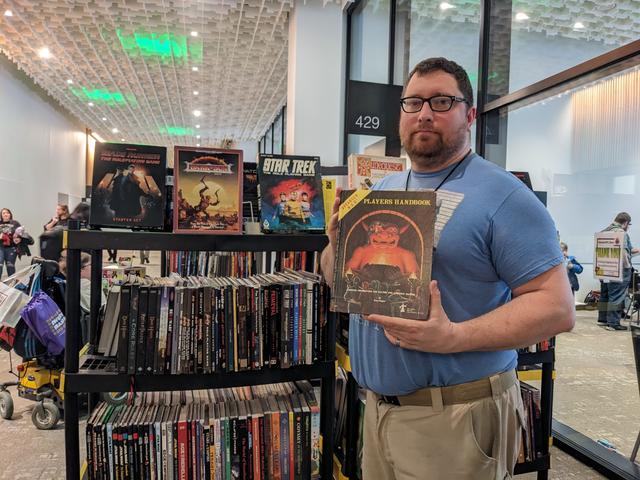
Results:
x,y
442,64
622,217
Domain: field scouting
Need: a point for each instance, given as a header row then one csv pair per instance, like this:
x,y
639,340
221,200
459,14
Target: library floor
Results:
x,y
596,393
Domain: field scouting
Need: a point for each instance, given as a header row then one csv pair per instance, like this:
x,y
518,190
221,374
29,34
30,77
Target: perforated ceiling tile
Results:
x,y
134,65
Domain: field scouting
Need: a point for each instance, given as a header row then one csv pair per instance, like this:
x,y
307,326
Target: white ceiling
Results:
x,y
134,60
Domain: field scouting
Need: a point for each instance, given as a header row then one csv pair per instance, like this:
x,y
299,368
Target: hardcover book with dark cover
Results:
x,y
207,187
290,191
250,192
384,253
128,186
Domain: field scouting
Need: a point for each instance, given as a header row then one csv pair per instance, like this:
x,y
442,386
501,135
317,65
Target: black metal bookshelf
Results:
x,y
544,361
95,374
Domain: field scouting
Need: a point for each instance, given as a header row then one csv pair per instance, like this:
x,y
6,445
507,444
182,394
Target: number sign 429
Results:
x,y
368,121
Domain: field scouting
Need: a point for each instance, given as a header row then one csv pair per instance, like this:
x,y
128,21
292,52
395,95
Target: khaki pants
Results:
x,y
479,440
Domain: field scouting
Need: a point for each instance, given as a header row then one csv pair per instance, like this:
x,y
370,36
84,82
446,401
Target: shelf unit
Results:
x,y
347,460
95,376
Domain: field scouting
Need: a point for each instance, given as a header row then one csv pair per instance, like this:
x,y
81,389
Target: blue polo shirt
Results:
x,y
499,238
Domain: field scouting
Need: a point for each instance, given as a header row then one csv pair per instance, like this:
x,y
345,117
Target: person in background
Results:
x,y
22,241
144,257
614,294
573,267
113,255
85,290
8,251
81,213
61,218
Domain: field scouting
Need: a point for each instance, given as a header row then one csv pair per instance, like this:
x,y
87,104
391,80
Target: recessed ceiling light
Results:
x,y
70,82
8,13
578,25
521,16
198,136
195,69
194,34
195,92
114,130
198,126
90,104
197,144
446,6
122,140
44,53
104,119
197,113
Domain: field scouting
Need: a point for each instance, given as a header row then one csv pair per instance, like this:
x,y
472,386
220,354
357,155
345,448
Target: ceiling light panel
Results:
x,y
133,61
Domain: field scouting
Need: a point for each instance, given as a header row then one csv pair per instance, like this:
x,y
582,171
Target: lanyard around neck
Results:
x,y
406,186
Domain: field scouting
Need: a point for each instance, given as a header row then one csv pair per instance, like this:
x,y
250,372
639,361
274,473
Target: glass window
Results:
x,y
267,141
439,29
581,146
277,135
532,40
370,42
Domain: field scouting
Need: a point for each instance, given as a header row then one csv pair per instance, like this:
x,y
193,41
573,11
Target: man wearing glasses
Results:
x,y
443,400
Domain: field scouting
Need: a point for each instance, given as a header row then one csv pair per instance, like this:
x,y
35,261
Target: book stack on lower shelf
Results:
x,y
258,432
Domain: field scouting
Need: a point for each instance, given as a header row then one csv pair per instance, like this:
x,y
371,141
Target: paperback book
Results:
x,y
290,192
128,186
207,190
384,253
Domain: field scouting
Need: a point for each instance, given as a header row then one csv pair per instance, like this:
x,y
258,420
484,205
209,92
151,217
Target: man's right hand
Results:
x,y
332,228
329,253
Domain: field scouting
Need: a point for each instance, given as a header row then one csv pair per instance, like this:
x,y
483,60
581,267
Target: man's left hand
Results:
x,y
437,334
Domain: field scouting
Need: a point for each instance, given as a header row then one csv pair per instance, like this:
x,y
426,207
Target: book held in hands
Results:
x,y
384,253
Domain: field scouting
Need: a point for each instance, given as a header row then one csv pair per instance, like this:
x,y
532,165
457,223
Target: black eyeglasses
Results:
x,y
438,103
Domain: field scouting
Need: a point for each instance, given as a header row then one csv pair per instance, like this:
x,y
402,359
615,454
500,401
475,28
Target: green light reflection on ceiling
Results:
x,y
172,130
167,47
100,95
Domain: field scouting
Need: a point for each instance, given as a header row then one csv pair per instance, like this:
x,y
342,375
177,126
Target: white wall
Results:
x,y
315,91
249,150
42,153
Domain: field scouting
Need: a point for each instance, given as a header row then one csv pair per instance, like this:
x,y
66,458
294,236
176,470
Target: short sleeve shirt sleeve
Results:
x,y
524,240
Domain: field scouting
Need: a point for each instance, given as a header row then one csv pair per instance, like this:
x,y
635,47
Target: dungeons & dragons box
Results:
x,y
207,188
128,186
384,253
290,191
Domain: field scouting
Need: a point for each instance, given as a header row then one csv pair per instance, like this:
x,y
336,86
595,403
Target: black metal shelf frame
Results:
x,y
76,382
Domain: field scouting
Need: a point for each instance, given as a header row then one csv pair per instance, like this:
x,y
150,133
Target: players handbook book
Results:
x,y
290,191
128,184
384,252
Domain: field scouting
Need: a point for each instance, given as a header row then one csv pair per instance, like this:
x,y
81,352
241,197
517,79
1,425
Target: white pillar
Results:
x,y
315,89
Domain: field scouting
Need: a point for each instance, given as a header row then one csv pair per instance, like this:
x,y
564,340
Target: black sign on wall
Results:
x,y
373,108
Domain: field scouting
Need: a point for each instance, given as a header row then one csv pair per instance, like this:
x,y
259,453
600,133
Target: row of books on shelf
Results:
x,y
174,325
532,441
258,432
542,346
237,264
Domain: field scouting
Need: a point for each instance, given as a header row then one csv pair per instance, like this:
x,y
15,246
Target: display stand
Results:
x,y
346,460
94,376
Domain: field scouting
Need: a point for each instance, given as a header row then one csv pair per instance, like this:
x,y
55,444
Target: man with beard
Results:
x,y
443,399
